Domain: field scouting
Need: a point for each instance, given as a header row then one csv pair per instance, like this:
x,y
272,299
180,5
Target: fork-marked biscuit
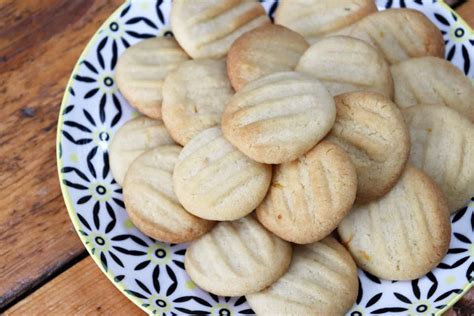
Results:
x,y
207,28
346,64
403,235
279,117
432,80
309,196
194,97
321,280
131,140
400,34
237,258
151,202
316,18
442,145
141,71
262,51
215,181
371,129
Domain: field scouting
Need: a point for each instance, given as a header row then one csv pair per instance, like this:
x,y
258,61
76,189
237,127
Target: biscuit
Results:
x,y
194,97
215,181
237,258
442,145
346,64
403,235
309,196
321,280
400,34
316,18
262,51
279,117
150,200
131,140
432,80
371,129
141,70
207,28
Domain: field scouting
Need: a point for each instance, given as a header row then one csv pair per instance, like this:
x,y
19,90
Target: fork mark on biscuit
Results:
x,y
253,18
308,289
217,251
378,236
326,276
274,109
232,236
213,12
423,216
227,187
254,231
304,179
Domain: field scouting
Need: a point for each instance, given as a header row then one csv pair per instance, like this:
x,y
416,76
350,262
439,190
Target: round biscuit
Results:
x,y
432,80
371,129
262,51
131,140
400,34
207,28
141,70
316,18
194,97
215,181
403,235
151,202
237,258
279,117
442,145
321,280
309,196
346,64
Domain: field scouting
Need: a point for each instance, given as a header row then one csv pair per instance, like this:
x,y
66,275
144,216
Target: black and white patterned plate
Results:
x,y
152,273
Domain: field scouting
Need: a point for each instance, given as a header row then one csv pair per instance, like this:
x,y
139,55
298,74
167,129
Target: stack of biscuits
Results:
x,y
288,154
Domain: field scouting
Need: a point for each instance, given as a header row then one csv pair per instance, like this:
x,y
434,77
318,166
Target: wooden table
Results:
x,y
44,268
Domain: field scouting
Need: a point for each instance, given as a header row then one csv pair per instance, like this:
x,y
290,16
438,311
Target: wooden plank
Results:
x,y
40,42
81,290
466,10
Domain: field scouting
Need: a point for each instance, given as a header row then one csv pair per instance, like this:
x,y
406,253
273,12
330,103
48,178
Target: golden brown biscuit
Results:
x,y
400,34
309,196
215,181
262,51
207,28
131,140
194,97
372,131
316,18
237,258
346,64
150,200
141,70
279,117
442,145
403,235
432,80
321,280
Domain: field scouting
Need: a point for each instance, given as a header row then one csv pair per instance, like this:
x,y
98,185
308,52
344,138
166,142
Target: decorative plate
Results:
x,y
152,273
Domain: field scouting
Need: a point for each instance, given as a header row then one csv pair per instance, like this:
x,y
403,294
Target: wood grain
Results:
x,y
466,11
40,42
81,290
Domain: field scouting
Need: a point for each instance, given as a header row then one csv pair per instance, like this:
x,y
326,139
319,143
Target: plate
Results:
x,y
151,273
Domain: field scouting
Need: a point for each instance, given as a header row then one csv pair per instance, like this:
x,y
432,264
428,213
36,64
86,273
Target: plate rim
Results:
x,y
60,163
